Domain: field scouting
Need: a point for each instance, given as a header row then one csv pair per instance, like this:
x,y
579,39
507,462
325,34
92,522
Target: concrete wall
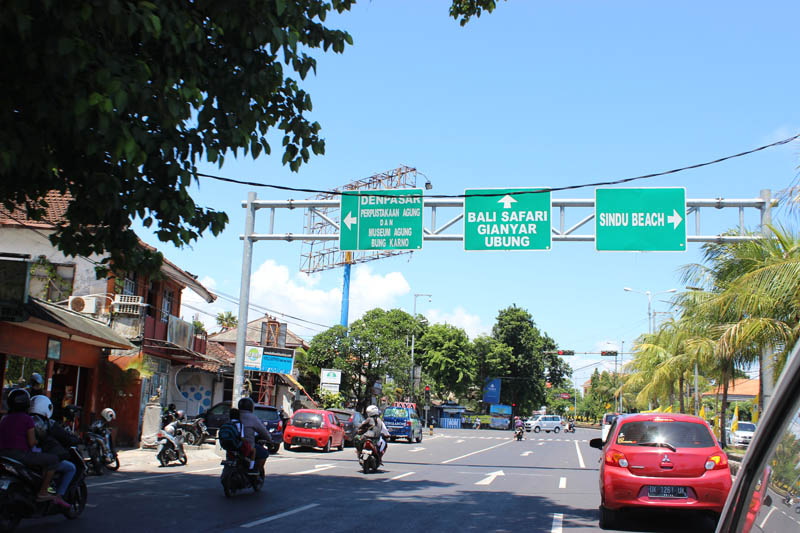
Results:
x,y
191,389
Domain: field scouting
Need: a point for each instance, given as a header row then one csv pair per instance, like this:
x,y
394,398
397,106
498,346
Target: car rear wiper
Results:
x,y
664,444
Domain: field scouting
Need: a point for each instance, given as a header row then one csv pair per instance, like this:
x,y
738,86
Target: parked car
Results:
x,y
769,465
403,422
743,434
608,421
349,420
218,415
316,428
545,423
665,461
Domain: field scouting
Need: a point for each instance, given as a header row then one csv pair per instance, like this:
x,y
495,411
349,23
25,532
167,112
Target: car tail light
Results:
x,y
717,462
663,419
408,423
616,459
280,425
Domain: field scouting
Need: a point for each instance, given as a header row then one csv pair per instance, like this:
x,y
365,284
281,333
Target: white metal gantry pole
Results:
x,y
244,297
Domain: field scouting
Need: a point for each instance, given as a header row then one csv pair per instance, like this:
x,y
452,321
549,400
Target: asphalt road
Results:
x,y
455,480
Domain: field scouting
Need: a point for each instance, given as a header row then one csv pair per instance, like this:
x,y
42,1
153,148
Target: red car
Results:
x,y
665,461
316,428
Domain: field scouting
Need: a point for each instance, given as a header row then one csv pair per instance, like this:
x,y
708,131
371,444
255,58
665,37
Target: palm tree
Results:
x,y
227,320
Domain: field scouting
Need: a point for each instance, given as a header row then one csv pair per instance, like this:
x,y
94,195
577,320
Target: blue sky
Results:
x,y
534,94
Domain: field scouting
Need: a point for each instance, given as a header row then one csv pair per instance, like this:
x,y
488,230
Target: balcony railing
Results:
x,y
176,331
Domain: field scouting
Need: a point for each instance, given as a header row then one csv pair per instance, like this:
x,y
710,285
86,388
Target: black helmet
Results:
x,y
19,400
246,404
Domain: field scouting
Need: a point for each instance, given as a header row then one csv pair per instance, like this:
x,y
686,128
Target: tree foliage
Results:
x,y
448,358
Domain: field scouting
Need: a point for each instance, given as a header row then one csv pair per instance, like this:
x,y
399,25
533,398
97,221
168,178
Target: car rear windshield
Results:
x,y
396,411
744,426
653,433
267,415
307,420
342,417
609,419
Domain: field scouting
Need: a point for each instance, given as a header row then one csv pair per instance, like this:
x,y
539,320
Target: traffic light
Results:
x,y
566,352
427,394
609,353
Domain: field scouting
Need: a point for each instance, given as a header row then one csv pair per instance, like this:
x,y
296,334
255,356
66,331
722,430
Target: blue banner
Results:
x,y
277,364
491,392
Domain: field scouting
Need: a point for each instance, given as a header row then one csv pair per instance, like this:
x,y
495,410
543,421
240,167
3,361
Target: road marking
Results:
x,y
562,483
477,451
526,454
277,516
541,444
490,477
558,519
767,517
400,476
318,468
459,441
156,476
417,449
580,457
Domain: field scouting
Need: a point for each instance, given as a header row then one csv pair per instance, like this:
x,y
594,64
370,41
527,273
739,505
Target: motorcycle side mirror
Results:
x,y
596,443
768,500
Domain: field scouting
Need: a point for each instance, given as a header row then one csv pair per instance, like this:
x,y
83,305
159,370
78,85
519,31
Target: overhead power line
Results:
x,y
535,191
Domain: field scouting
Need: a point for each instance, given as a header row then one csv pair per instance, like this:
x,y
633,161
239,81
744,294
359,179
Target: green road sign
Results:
x,y
506,221
381,220
645,220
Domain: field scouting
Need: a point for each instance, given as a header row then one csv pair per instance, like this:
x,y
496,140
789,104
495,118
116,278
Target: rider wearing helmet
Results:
x,y
253,426
36,387
18,437
518,423
373,428
54,439
108,414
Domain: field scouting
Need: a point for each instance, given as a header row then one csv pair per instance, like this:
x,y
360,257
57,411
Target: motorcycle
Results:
x,y
369,457
19,486
194,430
518,433
170,445
570,428
100,447
236,474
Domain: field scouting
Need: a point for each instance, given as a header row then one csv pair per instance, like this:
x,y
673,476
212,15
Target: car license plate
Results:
x,y
666,491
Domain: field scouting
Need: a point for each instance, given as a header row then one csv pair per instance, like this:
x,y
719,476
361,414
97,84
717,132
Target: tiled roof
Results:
x,y
740,387
218,351
254,334
57,204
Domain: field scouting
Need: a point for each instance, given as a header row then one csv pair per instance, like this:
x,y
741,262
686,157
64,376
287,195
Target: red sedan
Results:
x,y
661,461
316,428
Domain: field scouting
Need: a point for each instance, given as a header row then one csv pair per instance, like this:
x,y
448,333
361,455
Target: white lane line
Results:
x,y
526,454
541,444
459,441
417,449
318,468
558,519
580,457
156,476
477,451
400,476
490,477
277,516
767,517
562,483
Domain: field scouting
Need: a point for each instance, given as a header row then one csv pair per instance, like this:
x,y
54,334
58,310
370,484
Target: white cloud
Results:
x,y
459,318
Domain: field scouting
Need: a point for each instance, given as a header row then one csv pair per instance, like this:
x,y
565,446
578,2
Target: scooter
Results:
x,y
518,433
170,445
236,474
101,448
19,486
195,431
570,428
369,457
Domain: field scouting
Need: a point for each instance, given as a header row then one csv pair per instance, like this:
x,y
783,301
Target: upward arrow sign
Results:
x,y
506,200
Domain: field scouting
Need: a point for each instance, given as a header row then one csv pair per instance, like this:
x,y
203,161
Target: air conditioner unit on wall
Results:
x,y
128,305
83,304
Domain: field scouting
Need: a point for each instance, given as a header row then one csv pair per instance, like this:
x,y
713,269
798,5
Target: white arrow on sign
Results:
x,y
349,220
506,200
674,219
490,477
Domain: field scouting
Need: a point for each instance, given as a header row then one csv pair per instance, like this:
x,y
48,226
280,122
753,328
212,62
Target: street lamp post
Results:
x,y
413,334
651,326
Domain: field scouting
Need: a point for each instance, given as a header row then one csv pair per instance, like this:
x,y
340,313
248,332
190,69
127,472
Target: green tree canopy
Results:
x,y
448,358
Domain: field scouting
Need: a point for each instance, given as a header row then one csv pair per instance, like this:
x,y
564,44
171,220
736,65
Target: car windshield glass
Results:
x,y
267,415
669,434
395,411
745,426
610,419
307,420
342,417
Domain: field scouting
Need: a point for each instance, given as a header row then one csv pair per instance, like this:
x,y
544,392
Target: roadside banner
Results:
x,y
491,392
735,421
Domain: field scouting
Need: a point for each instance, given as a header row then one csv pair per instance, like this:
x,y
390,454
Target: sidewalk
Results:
x,y
136,457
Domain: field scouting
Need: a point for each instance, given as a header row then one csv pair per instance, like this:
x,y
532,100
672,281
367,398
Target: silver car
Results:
x,y
545,423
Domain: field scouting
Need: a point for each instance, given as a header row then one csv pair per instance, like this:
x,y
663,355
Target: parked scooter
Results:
x,y
19,486
236,474
195,431
368,456
99,443
170,445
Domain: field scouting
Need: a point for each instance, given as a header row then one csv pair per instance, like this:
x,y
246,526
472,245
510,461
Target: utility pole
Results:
x,y
413,334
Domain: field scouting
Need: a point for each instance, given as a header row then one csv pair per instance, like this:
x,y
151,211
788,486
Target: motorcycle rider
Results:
x,y
374,429
253,426
518,425
53,439
18,438
36,386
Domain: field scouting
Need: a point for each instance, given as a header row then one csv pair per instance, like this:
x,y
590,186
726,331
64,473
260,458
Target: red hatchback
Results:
x,y
316,428
665,461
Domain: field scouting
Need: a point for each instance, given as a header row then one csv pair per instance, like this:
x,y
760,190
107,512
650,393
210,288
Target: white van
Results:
x,y
547,423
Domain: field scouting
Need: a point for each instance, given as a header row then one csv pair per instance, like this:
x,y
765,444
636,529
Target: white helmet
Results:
x,y
109,414
42,406
373,410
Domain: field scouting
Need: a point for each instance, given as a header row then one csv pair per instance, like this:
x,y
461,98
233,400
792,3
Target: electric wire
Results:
x,y
512,193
